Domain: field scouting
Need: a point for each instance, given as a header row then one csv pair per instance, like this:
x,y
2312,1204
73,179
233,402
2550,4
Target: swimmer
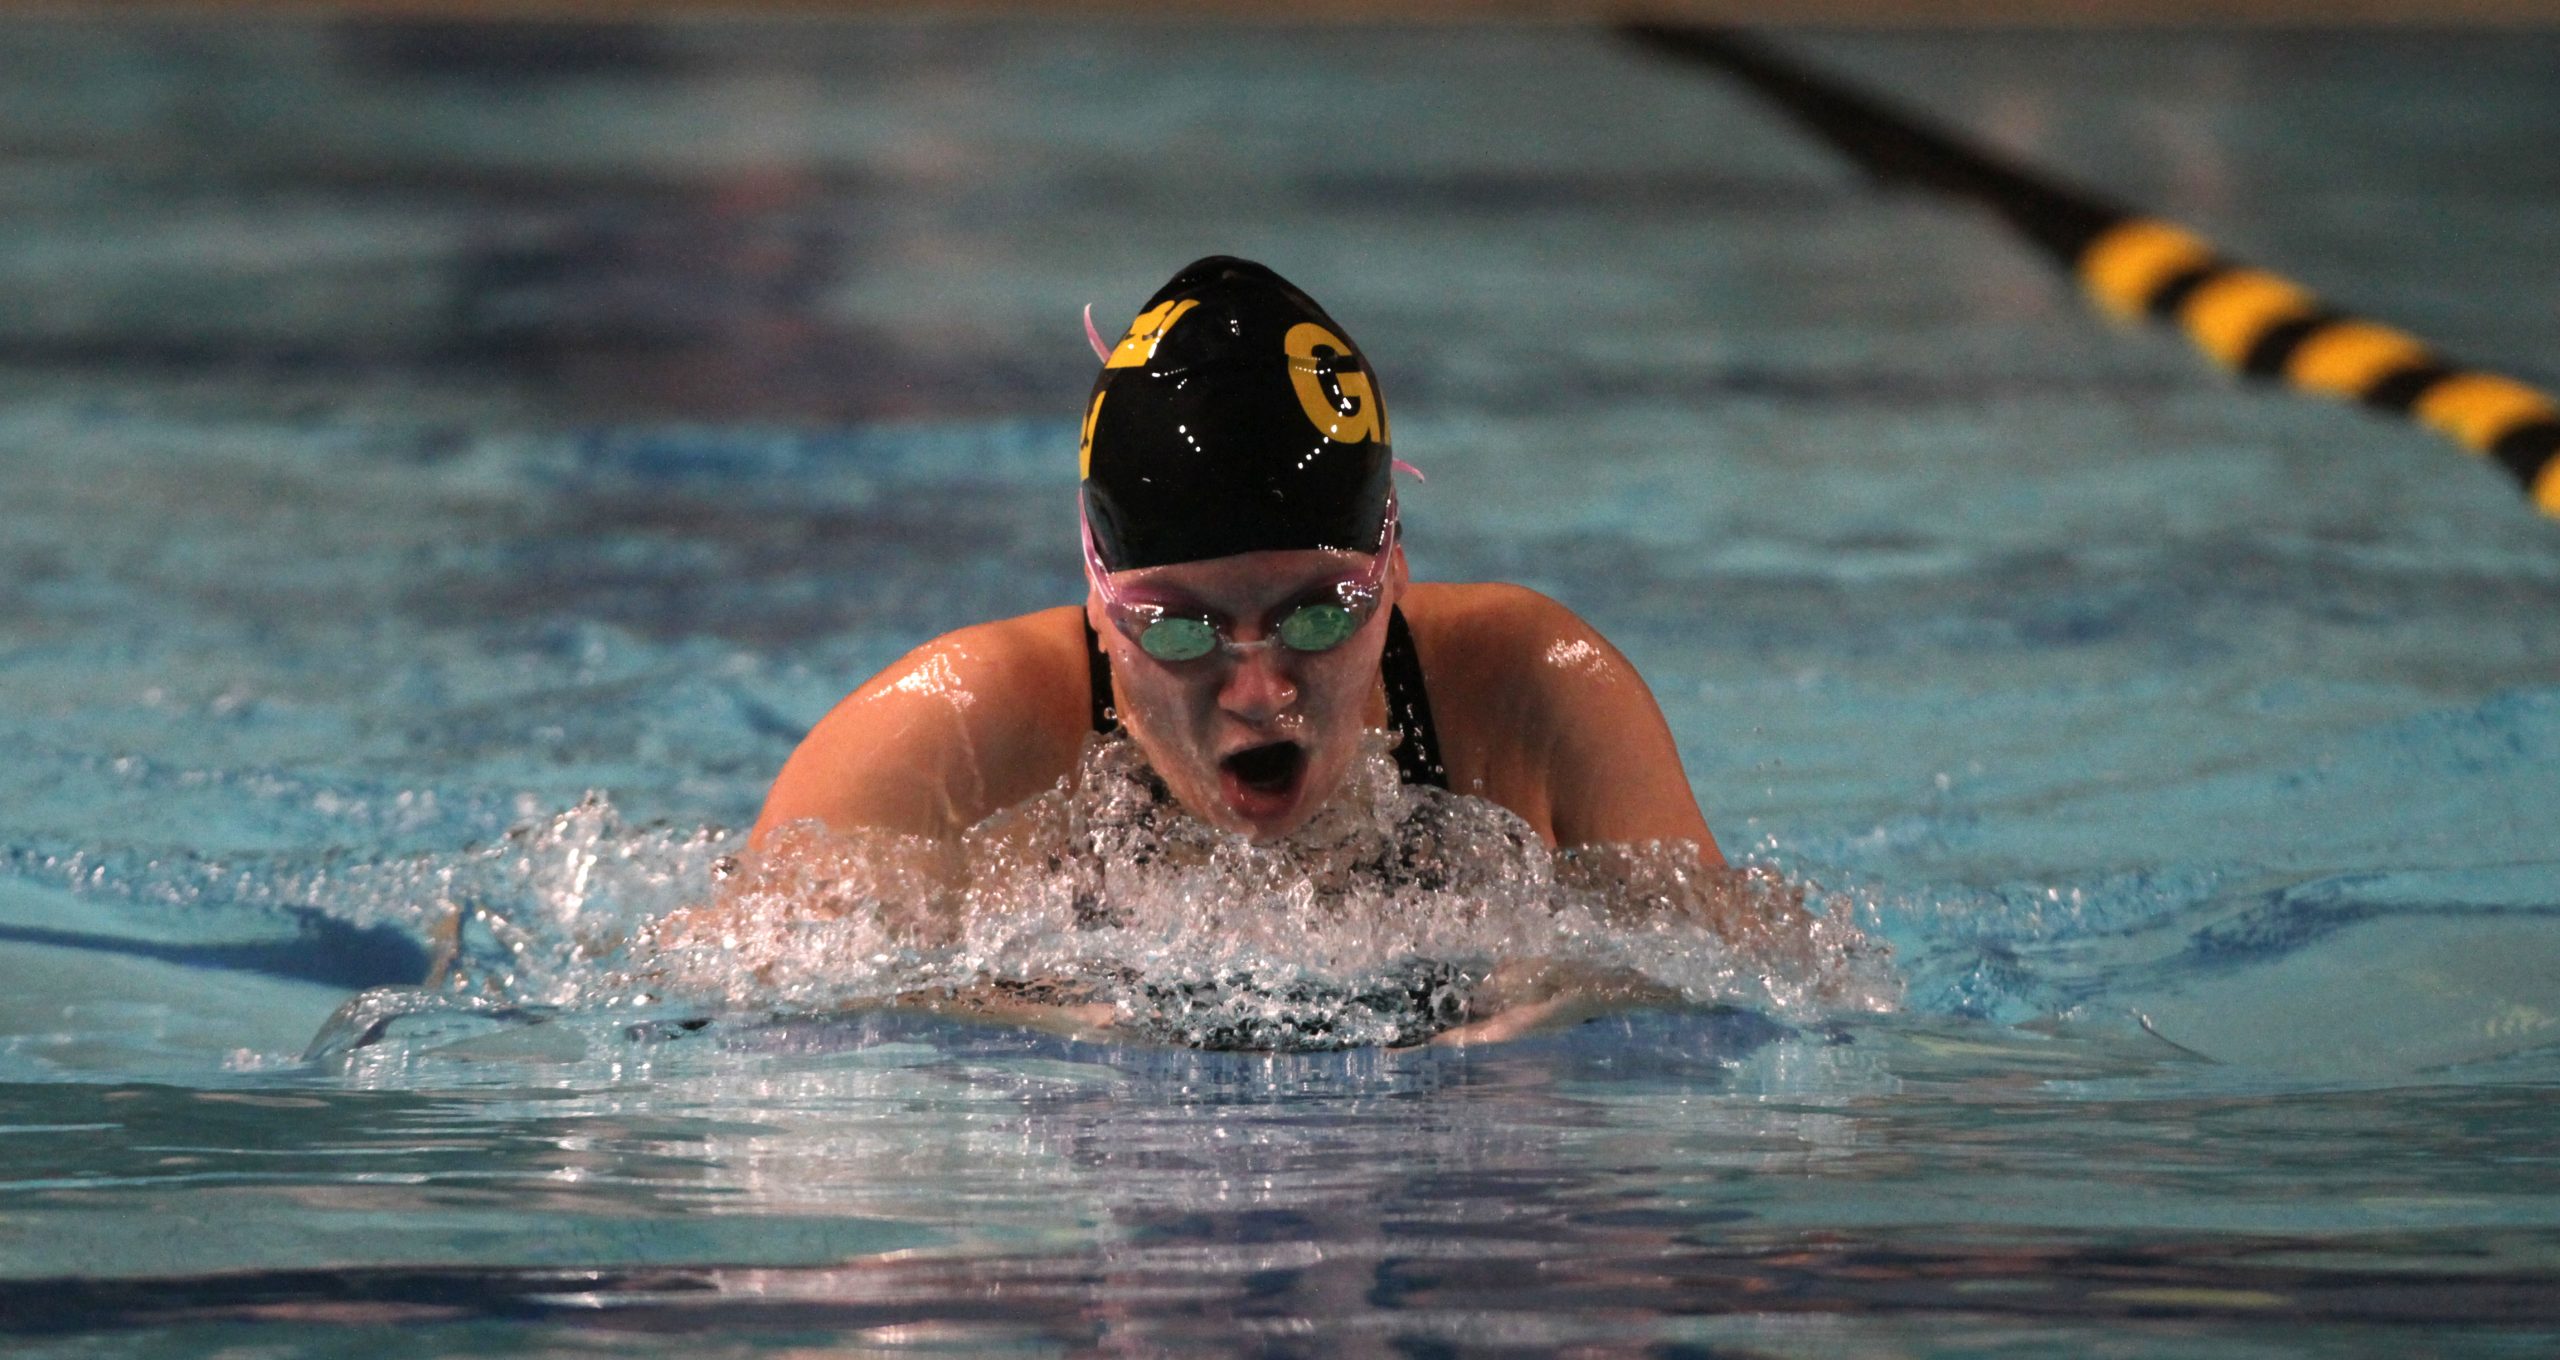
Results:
x,y
1248,618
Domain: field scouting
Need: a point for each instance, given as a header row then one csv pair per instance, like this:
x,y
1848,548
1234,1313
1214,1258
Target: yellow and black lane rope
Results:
x,y
2133,265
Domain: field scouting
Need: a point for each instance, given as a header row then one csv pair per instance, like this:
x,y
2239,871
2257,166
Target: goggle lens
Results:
x,y
1178,639
1308,628
1317,628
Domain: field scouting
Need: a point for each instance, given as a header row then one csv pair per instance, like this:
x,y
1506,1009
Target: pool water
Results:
x,y
447,468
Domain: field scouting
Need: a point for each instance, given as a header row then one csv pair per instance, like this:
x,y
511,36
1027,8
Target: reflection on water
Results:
x,y
1638,1181
1631,1280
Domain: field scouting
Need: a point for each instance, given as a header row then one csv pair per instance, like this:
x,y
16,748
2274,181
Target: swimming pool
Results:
x,y
410,429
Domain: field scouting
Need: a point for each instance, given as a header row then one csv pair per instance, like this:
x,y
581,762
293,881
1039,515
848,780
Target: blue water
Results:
x,y
410,431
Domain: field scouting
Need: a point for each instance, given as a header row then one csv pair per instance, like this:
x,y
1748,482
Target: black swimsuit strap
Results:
x,y
1105,719
1417,747
1409,708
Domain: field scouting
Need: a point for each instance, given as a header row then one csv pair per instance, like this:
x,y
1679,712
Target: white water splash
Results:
x,y
1396,913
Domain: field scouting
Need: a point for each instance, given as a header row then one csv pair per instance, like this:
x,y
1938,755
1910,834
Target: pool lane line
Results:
x,y
2133,265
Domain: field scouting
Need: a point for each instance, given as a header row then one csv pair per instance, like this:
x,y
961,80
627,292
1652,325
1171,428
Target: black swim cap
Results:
x,y
1234,417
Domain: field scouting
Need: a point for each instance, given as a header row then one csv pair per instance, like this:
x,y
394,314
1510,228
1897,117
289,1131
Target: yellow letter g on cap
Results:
x,y
1307,342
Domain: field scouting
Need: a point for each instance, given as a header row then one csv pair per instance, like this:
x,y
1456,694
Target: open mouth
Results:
x,y
1269,769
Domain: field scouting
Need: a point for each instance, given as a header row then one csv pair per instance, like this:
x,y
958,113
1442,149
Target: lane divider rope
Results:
x,y
2136,266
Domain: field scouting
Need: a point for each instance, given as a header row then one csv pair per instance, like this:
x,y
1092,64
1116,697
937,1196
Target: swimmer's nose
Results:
x,y
1256,689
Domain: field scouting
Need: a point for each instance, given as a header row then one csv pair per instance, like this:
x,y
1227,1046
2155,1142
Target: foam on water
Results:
x,y
1395,914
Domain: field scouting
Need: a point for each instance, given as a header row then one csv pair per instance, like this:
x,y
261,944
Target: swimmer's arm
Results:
x,y
1613,781
1625,817
968,724
963,727
1613,770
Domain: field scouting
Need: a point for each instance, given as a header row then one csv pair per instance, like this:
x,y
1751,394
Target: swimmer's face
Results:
x,y
1254,744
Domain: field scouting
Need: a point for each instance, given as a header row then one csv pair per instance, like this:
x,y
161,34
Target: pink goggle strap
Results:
x,y
1094,337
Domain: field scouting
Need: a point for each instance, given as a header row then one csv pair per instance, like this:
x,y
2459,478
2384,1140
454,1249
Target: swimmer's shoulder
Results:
x,y
971,722
1540,713
1491,639
1476,642
1481,609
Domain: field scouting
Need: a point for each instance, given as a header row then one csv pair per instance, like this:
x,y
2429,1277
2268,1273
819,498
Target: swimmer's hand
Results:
x,y
1527,996
1062,1012
1757,915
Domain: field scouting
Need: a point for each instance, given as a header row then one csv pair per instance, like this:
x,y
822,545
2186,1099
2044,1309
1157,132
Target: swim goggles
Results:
x,y
1319,625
